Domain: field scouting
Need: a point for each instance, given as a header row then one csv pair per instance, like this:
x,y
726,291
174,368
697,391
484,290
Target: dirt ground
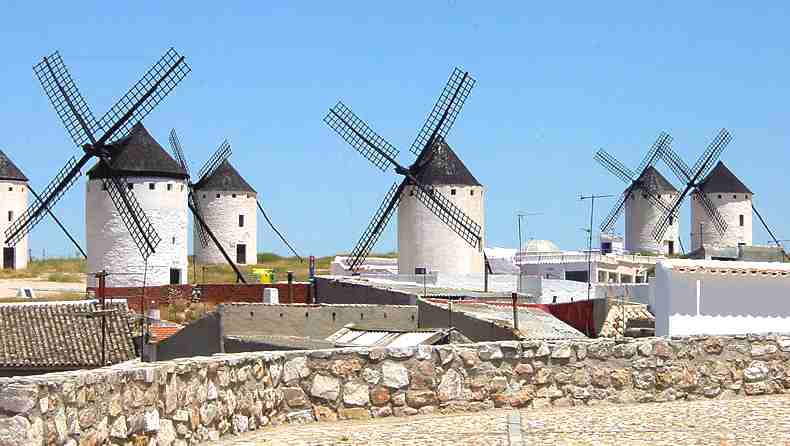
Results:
x,y
42,288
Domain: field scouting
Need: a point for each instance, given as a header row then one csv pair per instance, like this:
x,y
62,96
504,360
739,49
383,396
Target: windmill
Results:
x,y
693,178
94,137
429,143
204,231
642,200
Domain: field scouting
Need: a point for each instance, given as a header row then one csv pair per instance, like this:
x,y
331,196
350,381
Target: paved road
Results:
x,y
752,421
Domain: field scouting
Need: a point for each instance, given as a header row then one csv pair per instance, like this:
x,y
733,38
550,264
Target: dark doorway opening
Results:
x,y
241,253
670,247
576,276
175,276
9,258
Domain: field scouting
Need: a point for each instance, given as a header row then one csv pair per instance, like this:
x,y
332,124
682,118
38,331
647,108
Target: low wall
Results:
x,y
214,293
190,400
331,291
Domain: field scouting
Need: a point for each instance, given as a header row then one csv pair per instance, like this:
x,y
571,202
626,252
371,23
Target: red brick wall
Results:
x,y
209,293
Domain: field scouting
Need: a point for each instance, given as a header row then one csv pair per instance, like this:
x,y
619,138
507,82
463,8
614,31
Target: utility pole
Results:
x,y
101,276
523,215
592,198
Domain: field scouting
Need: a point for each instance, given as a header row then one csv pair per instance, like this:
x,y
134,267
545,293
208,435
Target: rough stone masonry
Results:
x,y
190,400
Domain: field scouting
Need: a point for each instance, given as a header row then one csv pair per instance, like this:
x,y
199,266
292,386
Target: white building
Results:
x,y
712,297
228,205
426,241
13,202
160,186
641,216
733,200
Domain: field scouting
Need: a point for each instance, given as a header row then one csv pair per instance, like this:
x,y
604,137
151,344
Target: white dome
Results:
x,y
541,246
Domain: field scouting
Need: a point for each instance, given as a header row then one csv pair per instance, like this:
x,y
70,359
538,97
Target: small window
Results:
x,y
10,189
182,188
411,193
644,196
10,215
734,196
671,220
452,191
472,192
130,186
174,240
169,187
103,186
204,196
151,186
740,218
233,195
719,197
217,195
241,221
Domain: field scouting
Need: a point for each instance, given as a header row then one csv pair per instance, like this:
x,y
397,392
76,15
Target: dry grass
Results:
x,y
280,265
64,267
49,297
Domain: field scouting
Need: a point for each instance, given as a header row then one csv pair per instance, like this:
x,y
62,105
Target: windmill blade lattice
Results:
x,y
70,106
134,218
146,94
377,225
616,212
444,112
450,214
220,155
360,136
178,152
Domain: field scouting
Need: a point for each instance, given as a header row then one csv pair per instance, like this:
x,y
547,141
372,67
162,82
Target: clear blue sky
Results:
x,y
555,83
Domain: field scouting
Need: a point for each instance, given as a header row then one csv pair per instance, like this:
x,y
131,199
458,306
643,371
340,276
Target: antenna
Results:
x,y
592,199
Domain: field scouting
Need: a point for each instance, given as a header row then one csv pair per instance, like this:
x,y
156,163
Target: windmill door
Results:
x,y
241,253
175,276
9,257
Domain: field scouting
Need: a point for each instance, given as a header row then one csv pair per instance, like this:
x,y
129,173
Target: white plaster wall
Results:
x,y
13,197
732,300
641,218
545,290
424,240
110,246
222,216
731,207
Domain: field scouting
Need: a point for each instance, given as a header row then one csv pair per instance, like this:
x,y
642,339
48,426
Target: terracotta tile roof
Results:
x,y
60,335
161,332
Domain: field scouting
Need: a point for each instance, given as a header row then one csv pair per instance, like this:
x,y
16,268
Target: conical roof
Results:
x,y
225,178
721,179
653,179
445,168
139,155
8,170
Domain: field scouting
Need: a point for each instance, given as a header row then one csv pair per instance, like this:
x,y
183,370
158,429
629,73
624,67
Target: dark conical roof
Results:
x,y
721,179
8,170
225,178
139,155
446,168
655,181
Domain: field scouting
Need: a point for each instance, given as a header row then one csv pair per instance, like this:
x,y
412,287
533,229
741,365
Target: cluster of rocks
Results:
x,y
191,400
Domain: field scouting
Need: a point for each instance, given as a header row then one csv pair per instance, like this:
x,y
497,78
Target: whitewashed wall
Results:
x,y
731,207
641,218
110,246
13,197
546,290
423,239
721,297
222,216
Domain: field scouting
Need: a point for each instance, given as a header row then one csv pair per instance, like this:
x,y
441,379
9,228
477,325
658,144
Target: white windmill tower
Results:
x,y
426,241
227,203
13,201
440,226
644,201
160,185
733,202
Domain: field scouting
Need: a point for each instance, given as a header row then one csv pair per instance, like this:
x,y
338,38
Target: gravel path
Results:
x,y
748,421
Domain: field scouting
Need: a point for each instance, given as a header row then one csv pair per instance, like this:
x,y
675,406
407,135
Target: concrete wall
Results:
x,y
222,216
716,297
314,321
13,198
641,218
110,246
546,290
330,291
731,207
477,330
424,240
200,338
195,400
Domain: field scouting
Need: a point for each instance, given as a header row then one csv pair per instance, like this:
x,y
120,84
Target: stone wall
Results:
x,y
190,400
